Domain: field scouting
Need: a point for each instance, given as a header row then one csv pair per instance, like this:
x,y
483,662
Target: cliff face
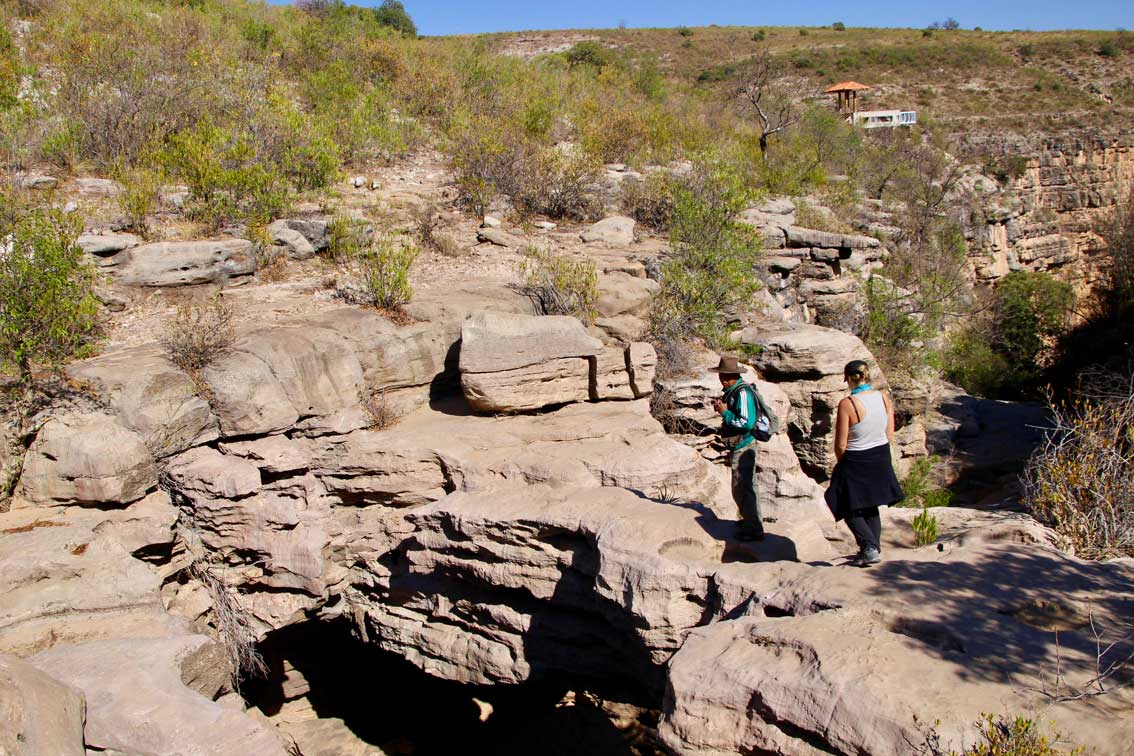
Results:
x,y
1047,219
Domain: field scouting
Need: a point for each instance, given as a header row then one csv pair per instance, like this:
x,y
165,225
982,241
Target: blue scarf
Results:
x,y
860,389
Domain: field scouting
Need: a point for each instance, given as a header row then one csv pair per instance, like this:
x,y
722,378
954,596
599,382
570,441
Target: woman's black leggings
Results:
x,y
866,526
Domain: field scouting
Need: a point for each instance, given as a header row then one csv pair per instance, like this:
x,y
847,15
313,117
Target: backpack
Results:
x,y
767,424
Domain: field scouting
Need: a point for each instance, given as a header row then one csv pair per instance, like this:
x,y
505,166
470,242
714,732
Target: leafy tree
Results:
x,y
393,13
47,309
1002,352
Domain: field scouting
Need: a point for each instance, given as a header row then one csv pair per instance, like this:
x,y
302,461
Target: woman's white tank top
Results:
x,y
870,430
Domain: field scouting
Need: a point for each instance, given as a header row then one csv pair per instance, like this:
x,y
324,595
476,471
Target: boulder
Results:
x,y
247,397
138,699
314,230
97,187
807,237
616,231
103,245
88,459
38,714
36,181
624,294
512,363
530,387
498,237
294,243
316,368
493,342
150,397
182,263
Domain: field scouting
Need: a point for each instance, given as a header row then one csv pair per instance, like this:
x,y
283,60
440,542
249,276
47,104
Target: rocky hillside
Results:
x,y
484,492
319,391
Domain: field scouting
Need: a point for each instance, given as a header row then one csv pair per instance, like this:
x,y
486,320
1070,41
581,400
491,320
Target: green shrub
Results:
x,y
920,488
711,266
1001,736
925,528
1004,351
685,31
590,53
839,26
139,197
48,312
649,200
803,32
347,237
557,184
226,178
759,35
385,267
63,146
9,70
558,284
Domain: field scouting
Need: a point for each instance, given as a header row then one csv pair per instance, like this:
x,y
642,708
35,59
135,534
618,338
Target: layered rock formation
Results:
x,y
1048,218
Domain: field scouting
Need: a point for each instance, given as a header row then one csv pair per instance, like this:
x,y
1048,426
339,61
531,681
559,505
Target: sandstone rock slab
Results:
x,y
86,459
103,245
38,714
150,397
616,231
182,263
68,575
138,700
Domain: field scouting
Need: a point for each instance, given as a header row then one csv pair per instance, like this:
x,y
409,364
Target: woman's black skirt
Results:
x,y
862,480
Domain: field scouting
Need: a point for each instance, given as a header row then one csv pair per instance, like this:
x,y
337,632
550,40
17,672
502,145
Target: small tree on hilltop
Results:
x,y
393,13
47,310
774,109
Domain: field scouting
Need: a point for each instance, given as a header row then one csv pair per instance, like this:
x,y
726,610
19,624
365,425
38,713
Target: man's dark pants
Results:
x,y
743,463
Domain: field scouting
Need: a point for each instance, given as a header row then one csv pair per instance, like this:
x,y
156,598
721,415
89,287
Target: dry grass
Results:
x,y
197,335
1081,481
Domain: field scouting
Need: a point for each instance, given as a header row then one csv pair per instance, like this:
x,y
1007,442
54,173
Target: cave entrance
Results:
x,y
335,695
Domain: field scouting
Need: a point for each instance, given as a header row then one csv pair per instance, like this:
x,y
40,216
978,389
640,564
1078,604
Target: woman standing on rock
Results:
x,y
864,474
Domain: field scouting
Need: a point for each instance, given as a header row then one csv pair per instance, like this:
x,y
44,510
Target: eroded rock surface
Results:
x,y
38,714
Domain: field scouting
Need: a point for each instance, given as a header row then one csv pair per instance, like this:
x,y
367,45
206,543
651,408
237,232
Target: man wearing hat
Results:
x,y
742,423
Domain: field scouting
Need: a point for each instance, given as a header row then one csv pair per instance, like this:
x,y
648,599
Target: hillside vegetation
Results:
x,y
252,107
1003,81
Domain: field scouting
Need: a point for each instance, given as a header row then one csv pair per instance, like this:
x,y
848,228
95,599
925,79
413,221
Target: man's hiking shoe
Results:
x,y
867,557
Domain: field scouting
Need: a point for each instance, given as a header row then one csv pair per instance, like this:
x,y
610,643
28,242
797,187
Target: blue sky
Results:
x,y
459,17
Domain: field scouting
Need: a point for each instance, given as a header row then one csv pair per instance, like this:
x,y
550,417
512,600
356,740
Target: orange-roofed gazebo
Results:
x,y
847,92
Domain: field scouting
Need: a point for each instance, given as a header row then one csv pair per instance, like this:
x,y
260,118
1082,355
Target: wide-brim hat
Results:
x,y
729,366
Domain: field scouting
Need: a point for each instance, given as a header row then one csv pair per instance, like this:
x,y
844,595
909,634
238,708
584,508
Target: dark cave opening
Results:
x,y
389,703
